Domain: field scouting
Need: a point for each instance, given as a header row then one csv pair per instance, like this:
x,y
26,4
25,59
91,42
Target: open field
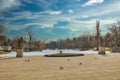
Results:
x,y
88,67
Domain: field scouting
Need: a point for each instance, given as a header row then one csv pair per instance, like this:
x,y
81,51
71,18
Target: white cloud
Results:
x,y
47,25
51,12
85,16
49,17
89,25
29,24
6,5
55,12
70,11
20,15
109,9
42,25
109,20
93,2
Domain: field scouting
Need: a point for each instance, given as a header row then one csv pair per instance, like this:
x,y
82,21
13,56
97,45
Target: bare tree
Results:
x,y
30,38
97,33
115,31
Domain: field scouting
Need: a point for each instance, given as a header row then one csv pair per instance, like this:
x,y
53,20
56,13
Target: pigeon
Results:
x,y
95,57
28,60
80,63
68,59
61,67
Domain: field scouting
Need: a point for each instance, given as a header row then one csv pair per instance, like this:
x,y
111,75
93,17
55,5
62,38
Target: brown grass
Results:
x,y
88,67
3,52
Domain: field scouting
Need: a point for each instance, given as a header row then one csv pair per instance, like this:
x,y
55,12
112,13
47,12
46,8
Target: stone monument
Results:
x,y
101,47
20,47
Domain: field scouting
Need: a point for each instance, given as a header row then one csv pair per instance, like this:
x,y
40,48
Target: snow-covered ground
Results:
x,y
48,51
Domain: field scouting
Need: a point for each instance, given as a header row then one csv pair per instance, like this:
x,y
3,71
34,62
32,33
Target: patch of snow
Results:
x,y
49,51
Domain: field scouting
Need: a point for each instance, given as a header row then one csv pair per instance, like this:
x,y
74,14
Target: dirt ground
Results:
x,y
88,67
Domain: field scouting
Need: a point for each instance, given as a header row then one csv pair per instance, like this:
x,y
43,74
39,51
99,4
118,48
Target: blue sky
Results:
x,y
57,19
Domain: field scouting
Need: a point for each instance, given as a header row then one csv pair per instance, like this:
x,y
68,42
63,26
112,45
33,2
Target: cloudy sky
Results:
x,y
55,19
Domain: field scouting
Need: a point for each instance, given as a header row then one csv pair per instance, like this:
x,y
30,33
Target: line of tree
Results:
x,y
82,42
111,39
